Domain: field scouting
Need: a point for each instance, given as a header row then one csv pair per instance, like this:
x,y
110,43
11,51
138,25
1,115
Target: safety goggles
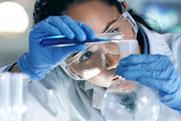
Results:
x,y
98,57
119,26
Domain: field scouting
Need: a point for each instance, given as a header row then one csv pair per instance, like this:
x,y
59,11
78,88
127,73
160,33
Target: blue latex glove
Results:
x,y
41,60
155,71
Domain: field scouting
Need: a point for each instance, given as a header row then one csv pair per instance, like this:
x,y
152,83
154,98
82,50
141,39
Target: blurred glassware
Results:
x,y
13,93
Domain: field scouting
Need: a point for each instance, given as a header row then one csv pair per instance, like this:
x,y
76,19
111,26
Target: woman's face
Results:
x,y
100,16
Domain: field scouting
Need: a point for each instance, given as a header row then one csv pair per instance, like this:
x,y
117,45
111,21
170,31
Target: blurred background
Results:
x,y
16,22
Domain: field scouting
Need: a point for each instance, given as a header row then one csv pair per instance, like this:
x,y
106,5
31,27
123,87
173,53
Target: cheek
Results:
x,y
112,55
112,61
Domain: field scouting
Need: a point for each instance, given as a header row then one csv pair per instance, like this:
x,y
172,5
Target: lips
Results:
x,y
121,85
118,78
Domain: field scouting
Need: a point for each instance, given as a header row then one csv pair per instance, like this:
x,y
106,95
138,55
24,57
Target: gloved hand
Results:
x,y
155,71
41,60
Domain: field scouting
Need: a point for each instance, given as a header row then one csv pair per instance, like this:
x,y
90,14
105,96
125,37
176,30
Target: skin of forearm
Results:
x,y
15,69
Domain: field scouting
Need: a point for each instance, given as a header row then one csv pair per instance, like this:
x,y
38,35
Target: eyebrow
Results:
x,y
109,24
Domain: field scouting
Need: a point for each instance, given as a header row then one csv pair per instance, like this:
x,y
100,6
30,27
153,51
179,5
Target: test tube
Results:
x,y
62,41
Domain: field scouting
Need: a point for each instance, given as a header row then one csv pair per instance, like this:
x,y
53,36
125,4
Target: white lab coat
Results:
x,y
59,98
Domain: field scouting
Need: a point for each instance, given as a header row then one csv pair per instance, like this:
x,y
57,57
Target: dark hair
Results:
x,y
46,8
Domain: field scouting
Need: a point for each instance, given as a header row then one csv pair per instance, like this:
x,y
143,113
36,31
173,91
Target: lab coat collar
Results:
x,y
43,95
158,43
97,95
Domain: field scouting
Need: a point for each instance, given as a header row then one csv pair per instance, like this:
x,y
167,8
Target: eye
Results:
x,y
87,55
114,30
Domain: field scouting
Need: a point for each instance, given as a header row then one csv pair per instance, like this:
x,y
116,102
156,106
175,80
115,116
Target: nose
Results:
x,y
111,61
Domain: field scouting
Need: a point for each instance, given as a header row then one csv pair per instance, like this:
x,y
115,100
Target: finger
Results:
x,y
79,33
139,59
61,26
166,98
166,86
164,71
88,30
150,82
43,29
134,75
143,67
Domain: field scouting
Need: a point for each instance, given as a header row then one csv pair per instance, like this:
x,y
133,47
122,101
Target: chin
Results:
x,y
102,80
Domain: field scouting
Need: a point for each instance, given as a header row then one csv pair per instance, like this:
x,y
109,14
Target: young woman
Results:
x,y
58,96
